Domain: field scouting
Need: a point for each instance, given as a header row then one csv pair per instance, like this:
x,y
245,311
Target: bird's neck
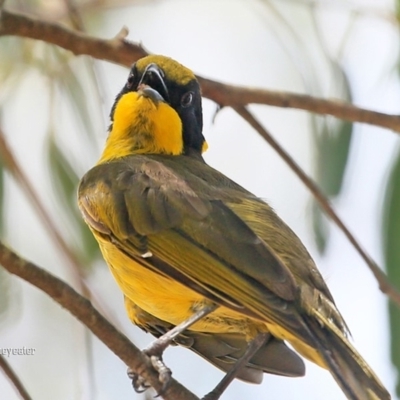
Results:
x,y
141,127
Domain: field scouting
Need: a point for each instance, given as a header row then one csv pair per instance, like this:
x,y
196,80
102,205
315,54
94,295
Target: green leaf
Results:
x,y
10,299
333,141
64,177
332,157
397,9
5,299
320,227
70,85
333,154
391,238
65,182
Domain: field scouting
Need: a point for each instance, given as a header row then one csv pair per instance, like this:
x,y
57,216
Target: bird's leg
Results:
x,y
159,345
155,350
252,349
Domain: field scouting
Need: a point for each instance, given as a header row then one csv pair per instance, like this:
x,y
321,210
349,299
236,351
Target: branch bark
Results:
x,y
83,310
384,284
116,50
120,51
9,372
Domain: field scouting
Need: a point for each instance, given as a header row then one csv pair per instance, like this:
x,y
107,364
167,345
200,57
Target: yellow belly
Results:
x,y
169,300
173,302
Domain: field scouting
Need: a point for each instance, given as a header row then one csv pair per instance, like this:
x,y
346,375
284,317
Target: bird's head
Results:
x,y
158,111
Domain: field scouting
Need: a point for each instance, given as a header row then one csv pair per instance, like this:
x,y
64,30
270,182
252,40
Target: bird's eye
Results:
x,y
130,80
187,99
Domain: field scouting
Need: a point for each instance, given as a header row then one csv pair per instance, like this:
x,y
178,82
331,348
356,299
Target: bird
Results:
x,y
184,241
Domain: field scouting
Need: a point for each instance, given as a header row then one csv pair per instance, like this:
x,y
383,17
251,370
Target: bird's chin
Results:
x,y
150,93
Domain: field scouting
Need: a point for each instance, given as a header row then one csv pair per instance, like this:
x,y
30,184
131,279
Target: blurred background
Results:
x,y
54,114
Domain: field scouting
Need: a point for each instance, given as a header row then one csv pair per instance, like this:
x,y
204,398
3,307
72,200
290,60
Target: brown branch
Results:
x,y
120,51
230,95
384,284
116,50
75,266
83,310
12,376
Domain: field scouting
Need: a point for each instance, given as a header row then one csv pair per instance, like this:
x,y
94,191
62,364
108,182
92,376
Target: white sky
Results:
x,y
235,42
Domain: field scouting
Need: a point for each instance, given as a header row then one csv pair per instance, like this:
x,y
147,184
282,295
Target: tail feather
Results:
x,y
349,369
225,349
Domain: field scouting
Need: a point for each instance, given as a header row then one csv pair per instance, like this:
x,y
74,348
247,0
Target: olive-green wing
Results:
x,y
170,208
189,222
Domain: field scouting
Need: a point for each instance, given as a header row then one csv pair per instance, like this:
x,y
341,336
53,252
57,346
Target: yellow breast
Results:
x,y
169,300
142,127
172,302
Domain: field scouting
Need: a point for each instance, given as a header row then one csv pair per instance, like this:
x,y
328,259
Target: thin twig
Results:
x,y
384,284
77,22
83,310
94,68
13,166
74,15
230,95
13,377
351,8
338,6
120,51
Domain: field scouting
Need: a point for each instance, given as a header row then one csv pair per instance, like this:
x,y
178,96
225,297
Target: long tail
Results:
x,y
349,369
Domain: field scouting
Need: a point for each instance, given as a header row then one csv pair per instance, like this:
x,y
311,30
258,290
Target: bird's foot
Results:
x,y
154,352
164,373
139,384
156,349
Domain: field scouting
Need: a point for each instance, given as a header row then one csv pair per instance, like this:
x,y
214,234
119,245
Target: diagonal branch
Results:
x,y
83,310
384,284
230,95
119,50
116,50
12,376
15,169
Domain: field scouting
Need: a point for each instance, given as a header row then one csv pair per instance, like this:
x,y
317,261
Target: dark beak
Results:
x,y
152,84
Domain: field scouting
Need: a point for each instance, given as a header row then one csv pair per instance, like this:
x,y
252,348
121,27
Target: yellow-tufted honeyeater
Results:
x,y
180,237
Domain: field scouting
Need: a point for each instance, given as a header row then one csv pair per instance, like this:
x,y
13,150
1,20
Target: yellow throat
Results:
x,y
142,126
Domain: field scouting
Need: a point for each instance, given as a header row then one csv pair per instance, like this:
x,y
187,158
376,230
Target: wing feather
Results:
x,y
196,221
